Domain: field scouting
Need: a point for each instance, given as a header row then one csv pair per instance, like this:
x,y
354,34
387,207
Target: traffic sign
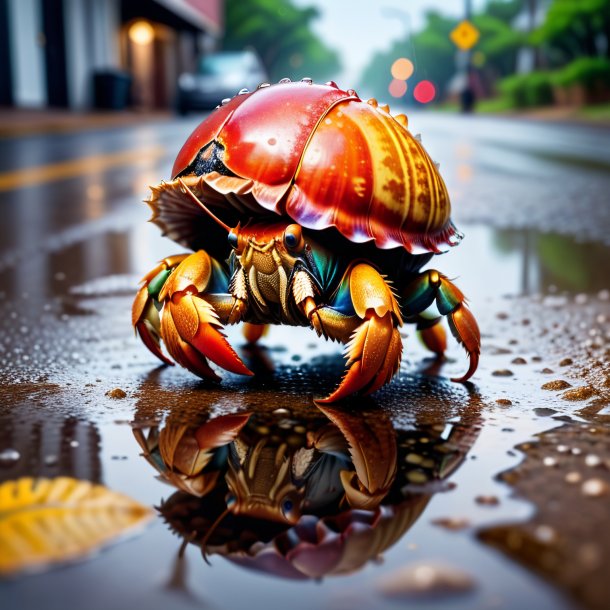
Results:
x,y
465,35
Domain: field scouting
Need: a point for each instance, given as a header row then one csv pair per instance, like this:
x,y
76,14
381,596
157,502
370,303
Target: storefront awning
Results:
x,y
204,14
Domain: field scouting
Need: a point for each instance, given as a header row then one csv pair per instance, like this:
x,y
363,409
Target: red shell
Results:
x,y
322,157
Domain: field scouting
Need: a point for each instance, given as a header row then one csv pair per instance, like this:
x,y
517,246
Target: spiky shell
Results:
x,y
317,155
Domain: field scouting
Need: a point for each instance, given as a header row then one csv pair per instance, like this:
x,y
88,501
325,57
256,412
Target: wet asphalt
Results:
x,y
521,510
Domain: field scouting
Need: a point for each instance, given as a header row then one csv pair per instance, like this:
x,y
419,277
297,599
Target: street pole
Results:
x,y
467,16
468,94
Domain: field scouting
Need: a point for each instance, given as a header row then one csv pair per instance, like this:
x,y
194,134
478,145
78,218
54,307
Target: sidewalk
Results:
x,y
587,115
15,122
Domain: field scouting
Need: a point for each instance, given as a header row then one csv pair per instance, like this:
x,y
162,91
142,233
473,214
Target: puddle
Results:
x,y
270,454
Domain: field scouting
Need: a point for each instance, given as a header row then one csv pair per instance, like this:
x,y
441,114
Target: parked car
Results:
x,y
219,75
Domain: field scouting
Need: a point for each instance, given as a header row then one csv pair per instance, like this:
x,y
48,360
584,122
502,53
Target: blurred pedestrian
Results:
x,y
472,90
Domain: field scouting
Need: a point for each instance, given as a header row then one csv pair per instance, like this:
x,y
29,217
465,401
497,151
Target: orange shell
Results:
x,y
320,156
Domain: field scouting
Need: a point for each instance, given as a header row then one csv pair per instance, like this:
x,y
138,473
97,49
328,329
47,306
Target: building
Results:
x,y
50,50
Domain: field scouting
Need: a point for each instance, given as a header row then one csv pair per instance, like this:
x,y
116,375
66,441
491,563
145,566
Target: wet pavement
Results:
x,y
491,494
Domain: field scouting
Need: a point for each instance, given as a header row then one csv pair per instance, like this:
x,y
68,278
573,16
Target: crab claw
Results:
x,y
189,325
145,320
374,348
372,445
221,430
144,314
192,331
373,357
465,329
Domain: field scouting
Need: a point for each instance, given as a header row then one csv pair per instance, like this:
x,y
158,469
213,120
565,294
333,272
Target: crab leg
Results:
x,y
144,312
190,326
433,287
253,332
373,344
432,335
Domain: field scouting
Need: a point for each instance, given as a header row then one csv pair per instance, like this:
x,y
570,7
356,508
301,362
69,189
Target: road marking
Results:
x,y
31,176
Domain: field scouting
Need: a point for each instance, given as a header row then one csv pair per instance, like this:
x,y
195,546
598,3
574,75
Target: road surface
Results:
x,y
531,198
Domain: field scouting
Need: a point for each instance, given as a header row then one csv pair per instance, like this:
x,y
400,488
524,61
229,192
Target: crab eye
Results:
x,y
290,510
293,237
231,500
232,239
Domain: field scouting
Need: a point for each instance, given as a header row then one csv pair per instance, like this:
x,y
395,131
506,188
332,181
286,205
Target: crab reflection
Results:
x,y
300,495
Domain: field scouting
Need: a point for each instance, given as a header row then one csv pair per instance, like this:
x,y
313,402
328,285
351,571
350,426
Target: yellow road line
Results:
x,y
69,169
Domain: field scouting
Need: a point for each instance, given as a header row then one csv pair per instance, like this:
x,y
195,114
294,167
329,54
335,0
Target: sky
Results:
x,y
359,28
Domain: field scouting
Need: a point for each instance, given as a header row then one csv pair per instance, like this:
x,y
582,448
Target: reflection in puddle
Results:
x,y
300,496
551,262
524,263
515,263
42,446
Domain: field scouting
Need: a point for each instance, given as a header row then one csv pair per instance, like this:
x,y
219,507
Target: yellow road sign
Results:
x,y
464,35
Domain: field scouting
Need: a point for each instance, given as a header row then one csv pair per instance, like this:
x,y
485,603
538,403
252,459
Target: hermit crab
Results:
x,y
299,493
304,206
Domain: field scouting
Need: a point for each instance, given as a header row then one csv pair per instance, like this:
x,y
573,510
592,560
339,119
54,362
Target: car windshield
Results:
x,y
218,65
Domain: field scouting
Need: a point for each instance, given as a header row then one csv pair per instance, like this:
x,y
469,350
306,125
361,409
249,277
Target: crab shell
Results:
x,y
315,547
331,545
317,155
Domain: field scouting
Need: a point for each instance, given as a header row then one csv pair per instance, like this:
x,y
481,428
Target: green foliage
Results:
x,y
528,90
599,112
494,105
571,29
586,71
539,90
568,36
536,88
281,34
513,88
498,42
503,10
565,263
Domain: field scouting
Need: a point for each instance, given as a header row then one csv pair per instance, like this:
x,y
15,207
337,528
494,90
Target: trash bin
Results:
x,y
111,89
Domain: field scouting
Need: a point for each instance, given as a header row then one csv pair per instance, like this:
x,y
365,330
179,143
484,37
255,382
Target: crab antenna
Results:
x,y
211,530
199,203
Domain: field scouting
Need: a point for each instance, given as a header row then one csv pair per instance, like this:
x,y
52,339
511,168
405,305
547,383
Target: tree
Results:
x,y
281,35
498,42
573,29
504,10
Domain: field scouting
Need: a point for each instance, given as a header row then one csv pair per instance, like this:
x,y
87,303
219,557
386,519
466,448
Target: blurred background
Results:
x,y
492,55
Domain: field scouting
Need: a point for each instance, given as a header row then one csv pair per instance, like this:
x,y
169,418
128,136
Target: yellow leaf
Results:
x,y
50,521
